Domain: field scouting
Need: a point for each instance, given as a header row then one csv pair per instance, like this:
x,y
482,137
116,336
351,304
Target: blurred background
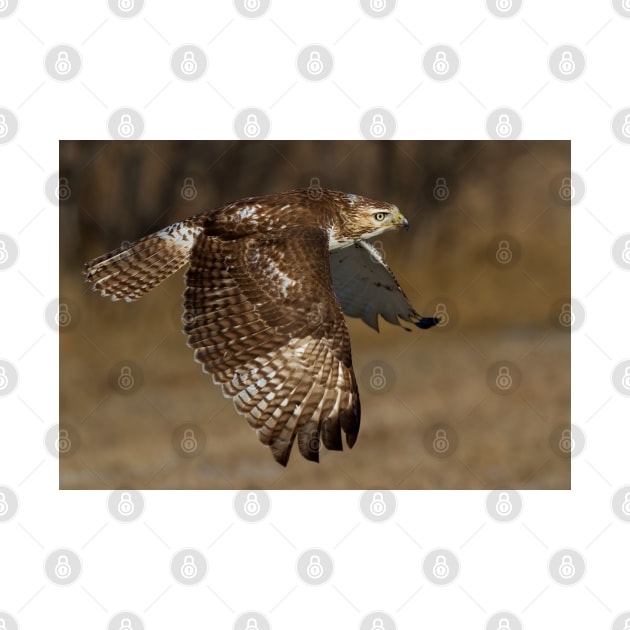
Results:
x,y
481,401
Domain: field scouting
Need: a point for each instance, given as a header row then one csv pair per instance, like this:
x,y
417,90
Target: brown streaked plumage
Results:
x,y
268,283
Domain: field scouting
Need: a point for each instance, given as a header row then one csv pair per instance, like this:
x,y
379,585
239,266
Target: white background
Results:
x,y
251,62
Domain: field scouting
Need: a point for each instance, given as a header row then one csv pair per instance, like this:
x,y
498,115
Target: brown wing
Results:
x,y
264,321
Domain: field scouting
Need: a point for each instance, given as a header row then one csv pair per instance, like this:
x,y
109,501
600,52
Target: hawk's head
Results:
x,y
362,218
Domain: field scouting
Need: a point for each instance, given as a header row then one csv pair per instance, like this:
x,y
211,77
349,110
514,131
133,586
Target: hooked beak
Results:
x,y
402,221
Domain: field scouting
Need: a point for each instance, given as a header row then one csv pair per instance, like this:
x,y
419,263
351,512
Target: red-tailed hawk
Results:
x,y
268,282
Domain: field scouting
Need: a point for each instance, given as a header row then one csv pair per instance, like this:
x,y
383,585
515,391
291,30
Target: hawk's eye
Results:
x,y
379,216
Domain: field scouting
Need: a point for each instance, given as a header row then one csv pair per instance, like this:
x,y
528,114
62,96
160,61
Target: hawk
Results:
x,y
268,283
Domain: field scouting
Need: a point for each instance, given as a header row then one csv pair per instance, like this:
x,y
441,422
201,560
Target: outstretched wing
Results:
x,y
263,319
366,287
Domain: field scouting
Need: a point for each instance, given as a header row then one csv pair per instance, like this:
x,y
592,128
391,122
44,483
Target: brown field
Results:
x,y
437,379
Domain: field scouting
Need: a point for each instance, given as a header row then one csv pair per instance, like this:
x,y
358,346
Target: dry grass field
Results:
x,y
436,419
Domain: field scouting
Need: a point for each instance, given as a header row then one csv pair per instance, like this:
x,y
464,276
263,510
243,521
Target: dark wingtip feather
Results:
x,y
350,420
331,434
281,451
427,322
308,441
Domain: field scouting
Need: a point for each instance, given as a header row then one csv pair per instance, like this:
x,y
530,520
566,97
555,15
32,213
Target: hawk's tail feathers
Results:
x,y
132,270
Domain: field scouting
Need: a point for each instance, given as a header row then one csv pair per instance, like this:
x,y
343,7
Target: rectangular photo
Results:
x,y
355,314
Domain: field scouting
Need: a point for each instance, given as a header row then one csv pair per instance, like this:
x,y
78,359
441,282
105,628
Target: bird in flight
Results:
x,y
268,283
